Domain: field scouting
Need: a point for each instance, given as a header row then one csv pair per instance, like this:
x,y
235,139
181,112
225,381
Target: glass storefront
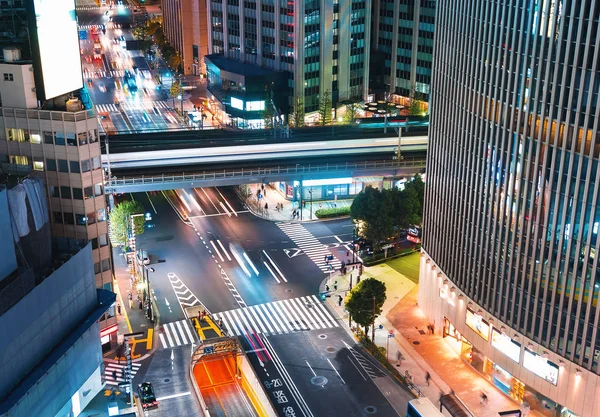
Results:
x,y
529,398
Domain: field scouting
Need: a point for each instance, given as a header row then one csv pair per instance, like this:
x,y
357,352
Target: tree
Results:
x,y
268,114
174,61
175,90
120,221
375,209
415,105
297,116
364,302
352,105
325,107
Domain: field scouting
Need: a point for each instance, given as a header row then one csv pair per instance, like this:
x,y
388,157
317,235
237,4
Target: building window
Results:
x,y
8,77
96,162
35,137
51,164
38,165
77,193
59,138
63,165
95,243
91,218
97,189
87,192
54,191
65,192
85,165
105,264
71,141
103,240
101,215
19,160
82,138
68,218
75,167
15,135
58,217
97,268
79,219
49,138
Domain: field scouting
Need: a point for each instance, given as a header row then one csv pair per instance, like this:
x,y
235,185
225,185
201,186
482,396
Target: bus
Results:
x,y
422,407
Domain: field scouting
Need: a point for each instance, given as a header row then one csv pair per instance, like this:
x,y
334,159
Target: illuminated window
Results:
x,y
255,105
35,138
38,165
19,160
15,135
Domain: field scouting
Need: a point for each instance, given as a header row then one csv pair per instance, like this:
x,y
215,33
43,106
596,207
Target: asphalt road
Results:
x,y
301,341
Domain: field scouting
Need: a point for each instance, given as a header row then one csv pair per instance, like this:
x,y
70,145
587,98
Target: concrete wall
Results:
x,y
254,388
20,92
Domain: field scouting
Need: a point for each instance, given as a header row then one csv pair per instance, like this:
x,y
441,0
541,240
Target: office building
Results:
x,y
185,26
51,358
47,126
509,268
402,48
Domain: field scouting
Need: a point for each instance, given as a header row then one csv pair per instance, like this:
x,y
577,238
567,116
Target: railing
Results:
x,y
65,116
254,172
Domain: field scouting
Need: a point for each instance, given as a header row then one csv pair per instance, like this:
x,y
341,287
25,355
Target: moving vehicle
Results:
x,y
392,121
143,258
147,397
422,407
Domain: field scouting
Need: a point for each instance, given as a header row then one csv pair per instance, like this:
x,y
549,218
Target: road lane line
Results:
x,y
336,371
338,239
224,251
272,273
168,397
210,199
151,203
217,250
311,369
226,202
275,266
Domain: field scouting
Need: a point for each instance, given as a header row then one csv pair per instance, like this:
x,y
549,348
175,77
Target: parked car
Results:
x,y
143,258
147,397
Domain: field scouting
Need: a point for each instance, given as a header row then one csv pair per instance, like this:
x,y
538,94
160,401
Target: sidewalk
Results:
x,y
420,352
133,319
272,197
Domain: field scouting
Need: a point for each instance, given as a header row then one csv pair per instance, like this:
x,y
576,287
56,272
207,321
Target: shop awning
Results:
x,y
367,179
454,406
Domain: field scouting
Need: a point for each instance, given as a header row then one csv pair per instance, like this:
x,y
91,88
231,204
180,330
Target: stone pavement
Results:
x,y
273,197
418,351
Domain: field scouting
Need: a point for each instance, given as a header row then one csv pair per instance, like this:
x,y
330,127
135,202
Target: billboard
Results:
x,y
58,47
540,366
506,345
478,324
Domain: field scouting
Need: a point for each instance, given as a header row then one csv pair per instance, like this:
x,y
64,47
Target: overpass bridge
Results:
x,y
238,176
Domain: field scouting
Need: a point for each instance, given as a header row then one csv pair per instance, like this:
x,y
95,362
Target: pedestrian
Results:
x,y
203,315
119,309
220,323
114,375
266,206
326,287
427,377
140,304
340,299
130,301
335,286
262,187
265,192
199,317
398,357
484,398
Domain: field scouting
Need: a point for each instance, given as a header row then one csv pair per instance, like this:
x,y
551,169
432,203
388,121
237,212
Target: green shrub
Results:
x,y
333,212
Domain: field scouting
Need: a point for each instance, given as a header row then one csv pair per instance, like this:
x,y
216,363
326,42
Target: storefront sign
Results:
x,y
478,324
109,330
506,345
540,366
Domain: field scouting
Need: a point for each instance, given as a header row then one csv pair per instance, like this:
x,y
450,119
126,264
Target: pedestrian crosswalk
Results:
x,y
112,370
310,245
107,25
177,333
119,73
113,108
284,316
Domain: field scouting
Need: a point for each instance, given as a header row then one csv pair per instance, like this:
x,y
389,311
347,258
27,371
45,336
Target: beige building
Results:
x,y
64,146
185,25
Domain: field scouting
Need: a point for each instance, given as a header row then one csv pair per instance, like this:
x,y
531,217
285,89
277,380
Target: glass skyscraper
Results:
x,y
509,268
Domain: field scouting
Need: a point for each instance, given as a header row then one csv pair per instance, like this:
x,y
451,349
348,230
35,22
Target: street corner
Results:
x,y
140,346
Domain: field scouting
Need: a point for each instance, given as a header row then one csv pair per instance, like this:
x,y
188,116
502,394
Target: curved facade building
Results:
x,y
510,266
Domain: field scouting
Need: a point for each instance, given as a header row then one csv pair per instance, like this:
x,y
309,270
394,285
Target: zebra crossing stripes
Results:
x,y
177,333
117,369
119,73
184,295
310,245
278,317
363,362
113,108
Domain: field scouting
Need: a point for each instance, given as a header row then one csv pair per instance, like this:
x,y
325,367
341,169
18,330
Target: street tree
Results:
x,y
352,105
268,114
415,105
325,108
174,61
375,209
120,221
297,116
364,302
175,90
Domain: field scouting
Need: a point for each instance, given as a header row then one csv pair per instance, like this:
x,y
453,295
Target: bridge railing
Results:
x,y
254,172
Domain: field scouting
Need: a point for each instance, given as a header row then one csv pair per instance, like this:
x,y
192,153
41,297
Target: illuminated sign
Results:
x,y
236,103
109,330
329,181
540,366
255,105
58,40
478,324
506,345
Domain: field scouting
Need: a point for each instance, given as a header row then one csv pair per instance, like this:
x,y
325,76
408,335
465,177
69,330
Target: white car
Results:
x,y
143,258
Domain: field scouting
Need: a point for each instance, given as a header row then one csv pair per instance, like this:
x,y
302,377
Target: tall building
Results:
x,y
509,267
51,357
46,126
402,48
185,26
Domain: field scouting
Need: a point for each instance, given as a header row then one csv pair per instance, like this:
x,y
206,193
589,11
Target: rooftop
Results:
x,y
238,67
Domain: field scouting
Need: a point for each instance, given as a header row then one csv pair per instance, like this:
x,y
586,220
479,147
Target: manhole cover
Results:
x,y
416,342
331,349
322,336
370,409
309,305
319,380
166,380
142,325
289,290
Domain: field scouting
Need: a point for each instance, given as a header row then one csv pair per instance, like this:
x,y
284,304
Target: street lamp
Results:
x,y
311,201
